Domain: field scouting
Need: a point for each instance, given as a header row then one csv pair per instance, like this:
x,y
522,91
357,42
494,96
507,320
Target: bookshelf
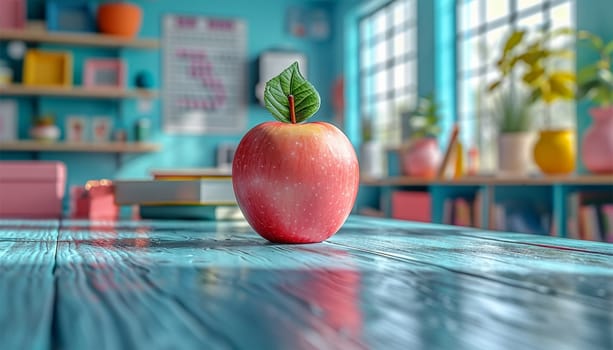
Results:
x,y
35,33
485,197
76,92
107,147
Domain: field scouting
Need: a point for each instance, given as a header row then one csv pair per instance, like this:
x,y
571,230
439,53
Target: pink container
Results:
x,y
32,189
421,158
95,201
597,143
12,14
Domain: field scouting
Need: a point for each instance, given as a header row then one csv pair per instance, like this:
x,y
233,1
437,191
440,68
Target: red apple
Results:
x,y
295,183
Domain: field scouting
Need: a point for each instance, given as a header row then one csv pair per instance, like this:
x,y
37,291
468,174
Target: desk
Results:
x,y
377,284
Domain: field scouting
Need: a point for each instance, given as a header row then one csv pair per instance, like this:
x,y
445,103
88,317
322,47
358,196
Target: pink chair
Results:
x,y
32,189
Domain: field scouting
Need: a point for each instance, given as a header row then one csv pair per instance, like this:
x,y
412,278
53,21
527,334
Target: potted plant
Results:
x,y
420,155
534,62
595,84
44,129
514,116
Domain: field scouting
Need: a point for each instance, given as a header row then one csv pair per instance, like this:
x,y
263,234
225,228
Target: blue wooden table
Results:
x,y
377,284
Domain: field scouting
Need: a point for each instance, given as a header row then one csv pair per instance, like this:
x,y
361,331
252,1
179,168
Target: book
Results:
x,y
449,150
190,173
607,214
212,191
191,212
412,206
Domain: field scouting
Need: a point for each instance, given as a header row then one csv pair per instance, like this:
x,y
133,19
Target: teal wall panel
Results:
x,y
267,29
594,16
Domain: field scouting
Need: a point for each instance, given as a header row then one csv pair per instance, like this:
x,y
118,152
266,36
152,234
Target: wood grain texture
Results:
x,y
377,284
27,254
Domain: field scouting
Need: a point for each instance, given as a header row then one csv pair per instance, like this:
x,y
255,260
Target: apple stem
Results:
x,y
292,109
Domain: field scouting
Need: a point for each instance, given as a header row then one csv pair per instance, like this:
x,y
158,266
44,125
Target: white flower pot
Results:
x,y
515,153
372,159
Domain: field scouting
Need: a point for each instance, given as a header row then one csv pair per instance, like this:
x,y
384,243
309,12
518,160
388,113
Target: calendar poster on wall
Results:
x,y
205,75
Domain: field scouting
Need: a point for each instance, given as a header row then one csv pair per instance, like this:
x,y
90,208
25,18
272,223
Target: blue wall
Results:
x,y
266,29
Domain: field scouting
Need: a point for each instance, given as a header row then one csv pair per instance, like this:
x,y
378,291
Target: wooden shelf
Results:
x,y
75,91
494,180
110,147
40,35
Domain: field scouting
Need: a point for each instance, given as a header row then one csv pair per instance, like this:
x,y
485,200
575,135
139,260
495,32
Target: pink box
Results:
x,y
95,201
412,205
12,14
32,189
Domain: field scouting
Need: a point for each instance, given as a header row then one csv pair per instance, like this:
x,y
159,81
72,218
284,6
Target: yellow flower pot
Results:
x,y
554,152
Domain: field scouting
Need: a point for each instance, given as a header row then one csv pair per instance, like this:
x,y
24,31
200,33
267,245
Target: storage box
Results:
x,y
94,201
47,68
412,206
32,189
12,14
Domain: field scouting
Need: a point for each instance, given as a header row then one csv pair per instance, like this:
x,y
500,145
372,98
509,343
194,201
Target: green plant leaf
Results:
x,y
560,88
595,40
608,49
513,41
291,82
532,75
587,73
493,86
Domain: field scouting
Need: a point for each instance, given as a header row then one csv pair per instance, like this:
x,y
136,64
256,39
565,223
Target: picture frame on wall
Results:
x,y
104,73
74,16
102,128
8,120
76,129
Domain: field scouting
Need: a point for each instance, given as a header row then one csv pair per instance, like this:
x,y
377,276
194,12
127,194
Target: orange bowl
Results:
x,y
121,19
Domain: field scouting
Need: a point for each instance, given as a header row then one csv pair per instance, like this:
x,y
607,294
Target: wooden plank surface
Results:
x,y
182,285
538,180
377,284
27,255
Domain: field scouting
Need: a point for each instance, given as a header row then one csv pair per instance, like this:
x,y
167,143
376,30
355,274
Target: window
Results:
x,y
482,27
388,68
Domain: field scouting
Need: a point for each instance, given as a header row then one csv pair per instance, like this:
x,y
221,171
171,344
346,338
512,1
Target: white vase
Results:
x,y
372,159
515,153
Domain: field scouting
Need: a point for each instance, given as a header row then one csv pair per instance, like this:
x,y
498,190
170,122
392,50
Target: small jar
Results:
x,y
141,131
6,74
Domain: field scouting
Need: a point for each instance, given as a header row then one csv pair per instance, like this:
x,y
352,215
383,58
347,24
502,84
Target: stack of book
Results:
x,y
590,215
523,217
203,194
463,211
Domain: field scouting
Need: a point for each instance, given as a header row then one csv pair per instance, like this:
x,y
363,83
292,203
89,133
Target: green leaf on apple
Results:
x,y
289,93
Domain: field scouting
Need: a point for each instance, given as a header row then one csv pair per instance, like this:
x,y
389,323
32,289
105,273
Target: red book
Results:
x,y
412,205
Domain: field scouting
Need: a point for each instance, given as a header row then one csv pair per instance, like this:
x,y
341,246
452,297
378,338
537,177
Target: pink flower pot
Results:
x,y
597,143
421,158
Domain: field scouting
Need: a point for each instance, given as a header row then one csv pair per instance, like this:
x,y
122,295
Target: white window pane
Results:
x,y
496,9
400,12
400,76
381,52
366,58
495,40
562,16
381,84
412,73
533,22
524,4
400,44
471,59
469,14
411,9
380,22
